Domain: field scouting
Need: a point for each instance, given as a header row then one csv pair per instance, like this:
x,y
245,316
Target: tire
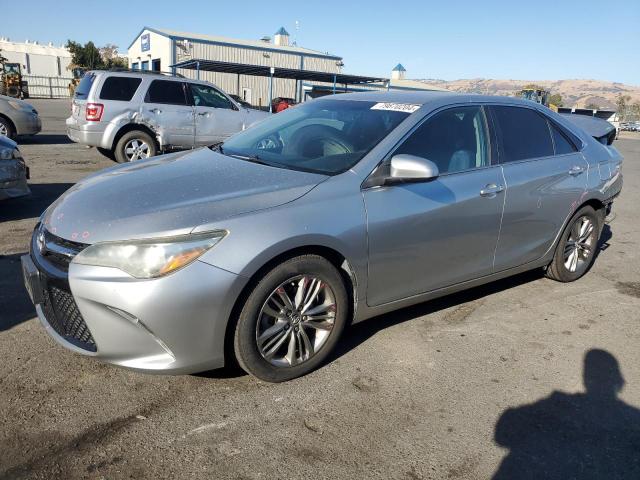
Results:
x,y
130,139
571,260
6,128
312,339
107,153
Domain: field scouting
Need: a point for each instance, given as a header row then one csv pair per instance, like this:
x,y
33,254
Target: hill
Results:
x,y
576,93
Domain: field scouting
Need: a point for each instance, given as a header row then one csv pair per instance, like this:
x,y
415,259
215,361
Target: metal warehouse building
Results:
x,y
159,49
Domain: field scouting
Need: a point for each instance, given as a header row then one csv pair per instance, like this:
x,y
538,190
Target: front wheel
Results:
x,y
135,145
576,249
292,319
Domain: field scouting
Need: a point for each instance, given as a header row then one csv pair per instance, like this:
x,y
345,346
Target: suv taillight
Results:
x,y
93,112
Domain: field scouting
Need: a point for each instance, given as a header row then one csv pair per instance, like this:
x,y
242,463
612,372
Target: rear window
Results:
x,y
119,88
84,87
524,132
166,91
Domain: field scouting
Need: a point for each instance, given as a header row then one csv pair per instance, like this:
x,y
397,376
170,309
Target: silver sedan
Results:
x,y
263,249
18,117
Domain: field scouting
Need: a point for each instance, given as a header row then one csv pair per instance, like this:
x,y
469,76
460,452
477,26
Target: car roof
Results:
x,y
425,97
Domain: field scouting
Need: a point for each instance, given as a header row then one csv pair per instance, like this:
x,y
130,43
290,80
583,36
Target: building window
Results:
x,y
144,65
59,67
155,65
135,66
27,63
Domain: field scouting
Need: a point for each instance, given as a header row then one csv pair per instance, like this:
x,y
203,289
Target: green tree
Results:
x,y
555,99
86,56
622,103
591,106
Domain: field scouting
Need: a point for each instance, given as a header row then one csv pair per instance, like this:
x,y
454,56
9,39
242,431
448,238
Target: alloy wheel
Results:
x,y
295,321
580,244
137,149
4,130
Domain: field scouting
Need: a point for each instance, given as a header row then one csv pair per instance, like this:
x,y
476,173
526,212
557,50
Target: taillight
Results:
x,y
93,112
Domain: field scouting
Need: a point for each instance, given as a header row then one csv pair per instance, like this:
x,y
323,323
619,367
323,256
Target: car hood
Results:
x,y
170,195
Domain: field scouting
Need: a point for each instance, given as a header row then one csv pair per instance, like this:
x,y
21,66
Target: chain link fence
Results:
x,y
47,87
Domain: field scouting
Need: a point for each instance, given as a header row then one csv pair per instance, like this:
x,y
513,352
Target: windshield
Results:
x,y
321,136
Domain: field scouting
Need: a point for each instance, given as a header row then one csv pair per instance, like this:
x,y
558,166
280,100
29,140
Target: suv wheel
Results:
x,y
576,249
135,145
292,319
6,128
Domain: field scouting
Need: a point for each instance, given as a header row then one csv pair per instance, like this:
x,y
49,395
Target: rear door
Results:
x,y
169,112
216,117
545,176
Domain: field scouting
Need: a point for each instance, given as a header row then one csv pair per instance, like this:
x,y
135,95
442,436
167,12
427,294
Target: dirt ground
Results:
x,y
518,379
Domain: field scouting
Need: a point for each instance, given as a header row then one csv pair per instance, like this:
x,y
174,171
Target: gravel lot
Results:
x,y
426,392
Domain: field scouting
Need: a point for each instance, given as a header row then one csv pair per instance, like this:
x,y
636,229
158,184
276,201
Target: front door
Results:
x,y
216,117
429,235
167,110
546,177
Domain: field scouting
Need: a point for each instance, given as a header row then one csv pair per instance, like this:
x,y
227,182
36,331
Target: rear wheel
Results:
x,y
135,145
576,249
107,153
292,319
6,128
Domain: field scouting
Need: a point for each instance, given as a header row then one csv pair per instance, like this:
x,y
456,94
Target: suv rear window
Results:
x,y
525,133
84,87
166,91
119,88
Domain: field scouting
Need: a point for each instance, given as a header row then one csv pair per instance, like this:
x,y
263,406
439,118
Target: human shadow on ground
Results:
x,y
587,436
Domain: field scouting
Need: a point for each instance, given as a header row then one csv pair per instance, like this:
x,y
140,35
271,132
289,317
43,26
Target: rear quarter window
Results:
x,y
119,88
524,133
84,87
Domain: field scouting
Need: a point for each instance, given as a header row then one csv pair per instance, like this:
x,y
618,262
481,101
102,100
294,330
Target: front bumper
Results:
x,y
174,324
13,179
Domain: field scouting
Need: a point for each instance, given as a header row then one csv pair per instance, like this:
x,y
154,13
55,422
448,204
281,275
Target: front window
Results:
x,y
204,96
323,136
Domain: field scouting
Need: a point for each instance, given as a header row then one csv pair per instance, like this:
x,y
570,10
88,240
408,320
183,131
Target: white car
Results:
x,y
133,115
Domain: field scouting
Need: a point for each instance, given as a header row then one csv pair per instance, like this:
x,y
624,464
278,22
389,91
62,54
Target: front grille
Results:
x,y
62,313
57,250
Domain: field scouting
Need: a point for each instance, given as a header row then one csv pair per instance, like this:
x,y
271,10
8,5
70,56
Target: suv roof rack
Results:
x,y
137,70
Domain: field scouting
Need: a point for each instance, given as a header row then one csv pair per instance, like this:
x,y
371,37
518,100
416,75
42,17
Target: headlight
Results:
x,y
150,258
8,153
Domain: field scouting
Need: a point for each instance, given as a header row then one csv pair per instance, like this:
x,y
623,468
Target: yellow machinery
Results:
x,y
11,83
77,73
538,95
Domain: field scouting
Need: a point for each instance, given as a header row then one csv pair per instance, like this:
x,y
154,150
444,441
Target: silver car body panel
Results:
x,y
25,120
402,244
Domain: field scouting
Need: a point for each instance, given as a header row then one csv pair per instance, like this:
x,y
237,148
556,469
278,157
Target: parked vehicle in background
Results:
x,y
279,104
13,171
18,117
266,246
133,115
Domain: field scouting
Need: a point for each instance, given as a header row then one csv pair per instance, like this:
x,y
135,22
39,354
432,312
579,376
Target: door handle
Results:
x,y
155,110
491,190
204,114
576,170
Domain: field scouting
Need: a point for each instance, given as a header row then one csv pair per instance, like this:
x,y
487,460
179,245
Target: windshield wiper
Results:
x,y
250,158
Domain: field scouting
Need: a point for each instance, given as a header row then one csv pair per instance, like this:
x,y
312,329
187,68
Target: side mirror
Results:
x,y
411,168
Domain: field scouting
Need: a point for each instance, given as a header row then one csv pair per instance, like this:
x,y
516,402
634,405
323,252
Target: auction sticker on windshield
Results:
x,y
396,107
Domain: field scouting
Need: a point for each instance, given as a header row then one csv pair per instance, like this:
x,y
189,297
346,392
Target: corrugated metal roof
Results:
x,y
239,42
264,71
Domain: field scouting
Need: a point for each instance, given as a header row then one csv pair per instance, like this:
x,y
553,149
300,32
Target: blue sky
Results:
x,y
451,39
